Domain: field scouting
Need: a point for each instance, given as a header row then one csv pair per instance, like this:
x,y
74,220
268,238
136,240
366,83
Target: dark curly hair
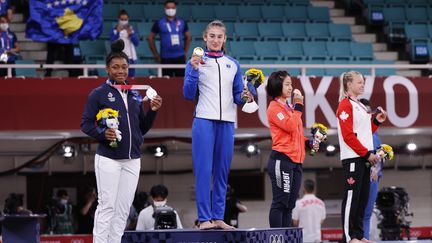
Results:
x,y
116,52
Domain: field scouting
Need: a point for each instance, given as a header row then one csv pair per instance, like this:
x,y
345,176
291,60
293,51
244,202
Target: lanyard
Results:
x,y
169,26
368,111
7,47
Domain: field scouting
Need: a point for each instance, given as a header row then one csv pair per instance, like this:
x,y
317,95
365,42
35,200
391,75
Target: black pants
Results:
x,y
3,71
356,183
63,52
175,72
285,176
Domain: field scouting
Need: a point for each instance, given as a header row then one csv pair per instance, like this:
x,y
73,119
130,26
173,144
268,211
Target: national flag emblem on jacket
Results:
x,y
64,21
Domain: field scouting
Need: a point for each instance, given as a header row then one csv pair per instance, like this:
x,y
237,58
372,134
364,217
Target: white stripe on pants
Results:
x,y
116,183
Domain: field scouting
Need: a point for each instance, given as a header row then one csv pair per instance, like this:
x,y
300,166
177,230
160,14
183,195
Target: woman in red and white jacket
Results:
x,y
355,129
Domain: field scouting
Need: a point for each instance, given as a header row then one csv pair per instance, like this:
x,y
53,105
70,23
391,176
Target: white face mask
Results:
x,y
159,203
171,12
63,201
4,26
250,107
123,22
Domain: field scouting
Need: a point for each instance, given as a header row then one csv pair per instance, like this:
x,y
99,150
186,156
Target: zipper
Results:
x,y
126,103
220,91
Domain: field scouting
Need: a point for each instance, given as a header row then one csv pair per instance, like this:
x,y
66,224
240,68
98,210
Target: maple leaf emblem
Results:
x,y
343,116
351,181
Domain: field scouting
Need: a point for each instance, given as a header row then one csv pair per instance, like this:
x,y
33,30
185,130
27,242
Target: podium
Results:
x,y
272,235
21,228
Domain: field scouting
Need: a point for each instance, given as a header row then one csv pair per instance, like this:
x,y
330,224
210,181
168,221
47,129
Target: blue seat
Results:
x,y
101,72
292,71
335,72
299,2
318,14
25,72
318,31
267,50
266,71
364,71
314,71
315,50
417,32
339,50
396,3
394,15
246,31
271,31
110,11
196,30
106,30
93,50
229,28
362,51
273,13
144,52
184,12
417,15
203,13
243,50
291,51
294,31
226,13
134,11
153,12
249,13
384,71
144,29
145,72
340,32
296,14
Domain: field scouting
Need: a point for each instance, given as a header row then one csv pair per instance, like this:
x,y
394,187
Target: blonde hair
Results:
x,y
343,83
216,23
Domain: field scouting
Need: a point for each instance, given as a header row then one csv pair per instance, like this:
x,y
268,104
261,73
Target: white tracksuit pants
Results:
x,y
116,184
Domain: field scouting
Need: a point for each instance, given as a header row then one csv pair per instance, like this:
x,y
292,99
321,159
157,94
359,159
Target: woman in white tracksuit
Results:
x,y
216,81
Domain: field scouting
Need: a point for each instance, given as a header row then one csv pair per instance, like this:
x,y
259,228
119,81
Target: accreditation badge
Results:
x,y
175,39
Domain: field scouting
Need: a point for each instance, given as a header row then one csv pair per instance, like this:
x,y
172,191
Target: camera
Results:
x,y
165,218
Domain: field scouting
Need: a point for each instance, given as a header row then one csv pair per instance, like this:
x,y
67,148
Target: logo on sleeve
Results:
x,y
280,116
343,116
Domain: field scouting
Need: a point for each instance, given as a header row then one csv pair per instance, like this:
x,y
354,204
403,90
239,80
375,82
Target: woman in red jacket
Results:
x,y
355,129
288,147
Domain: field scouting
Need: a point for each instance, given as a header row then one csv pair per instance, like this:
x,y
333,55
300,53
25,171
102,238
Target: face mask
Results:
x,y
159,203
63,201
4,26
123,22
250,107
171,12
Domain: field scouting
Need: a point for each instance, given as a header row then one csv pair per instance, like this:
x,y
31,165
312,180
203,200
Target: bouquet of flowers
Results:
x,y
254,78
109,118
319,134
385,151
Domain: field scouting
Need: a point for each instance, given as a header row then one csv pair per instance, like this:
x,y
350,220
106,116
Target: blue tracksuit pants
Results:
x,y
212,151
373,193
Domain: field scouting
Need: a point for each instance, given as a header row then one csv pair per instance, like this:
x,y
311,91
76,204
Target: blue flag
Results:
x,y
64,21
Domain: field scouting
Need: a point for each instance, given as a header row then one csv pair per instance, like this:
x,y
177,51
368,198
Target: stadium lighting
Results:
x,y
330,148
251,149
411,147
158,151
68,151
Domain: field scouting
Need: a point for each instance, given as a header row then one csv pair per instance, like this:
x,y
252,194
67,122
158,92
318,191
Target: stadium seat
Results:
x,y
294,72
226,13
393,3
315,50
110,11
249,13
153,12
417,32
417,15
144,52
394,15
362,51
25,72
229,26
267,50
266,71
196,30
291,51
106,30
203,13
294,31
317,31
299,2
273,13
135,11
144,29
243,50
184,12
335,72
364,71
340,32
145,72
93,50
101,72
271,31
296,14
318,14
314,71
384,71
339,50
246,31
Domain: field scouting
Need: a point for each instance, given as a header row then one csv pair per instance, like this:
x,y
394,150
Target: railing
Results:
x,y
159,67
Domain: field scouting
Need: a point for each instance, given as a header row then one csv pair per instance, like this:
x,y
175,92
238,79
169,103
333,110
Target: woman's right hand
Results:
x,y
373,158
195,60
297,97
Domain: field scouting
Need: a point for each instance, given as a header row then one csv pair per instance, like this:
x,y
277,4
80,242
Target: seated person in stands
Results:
x,y
14,205
146,218
60,214
8,45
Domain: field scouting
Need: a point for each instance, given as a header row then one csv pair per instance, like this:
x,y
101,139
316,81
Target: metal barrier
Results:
x,y
159,67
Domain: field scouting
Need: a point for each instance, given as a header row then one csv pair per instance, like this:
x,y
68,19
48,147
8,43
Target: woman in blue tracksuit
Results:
x,y
116,168
216,81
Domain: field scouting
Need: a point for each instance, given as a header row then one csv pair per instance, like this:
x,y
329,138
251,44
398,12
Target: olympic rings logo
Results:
x,y
276,239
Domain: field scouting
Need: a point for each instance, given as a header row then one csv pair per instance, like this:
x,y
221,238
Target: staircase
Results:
x,y
359,33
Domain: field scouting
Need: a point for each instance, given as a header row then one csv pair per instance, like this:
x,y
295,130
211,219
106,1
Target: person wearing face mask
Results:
x,y
117,169
123,30
356,124
63,218
174,40
146,220
9,47
215,80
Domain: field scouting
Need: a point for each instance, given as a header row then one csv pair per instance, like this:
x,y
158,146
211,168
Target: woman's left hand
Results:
x,y
381,116
156,103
